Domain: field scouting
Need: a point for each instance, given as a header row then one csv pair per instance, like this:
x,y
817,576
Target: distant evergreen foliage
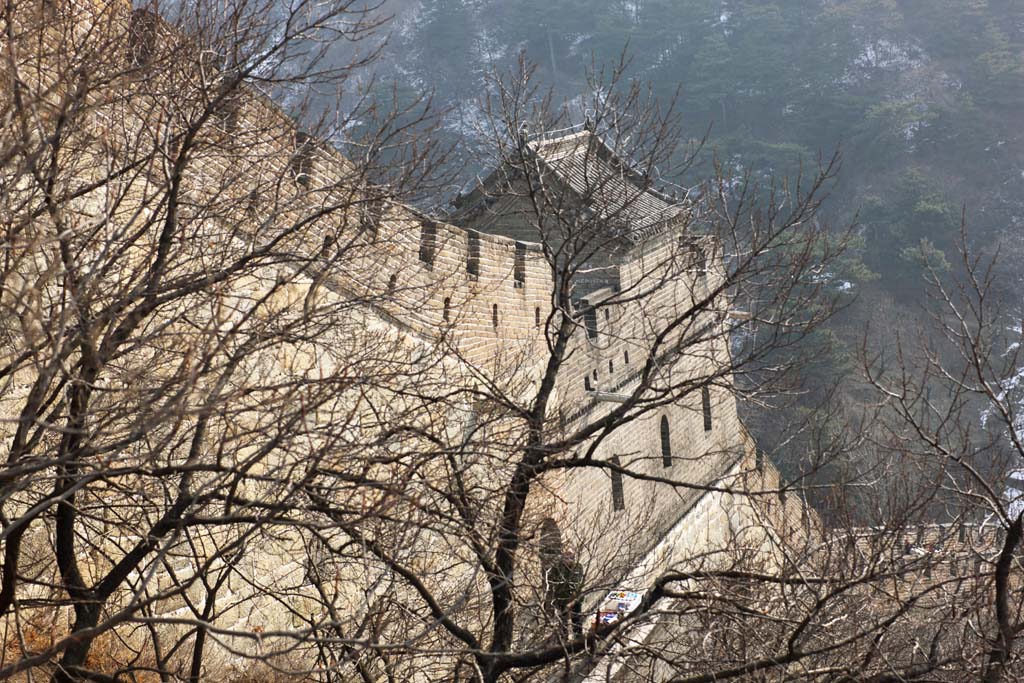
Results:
x,y
924,97
920,86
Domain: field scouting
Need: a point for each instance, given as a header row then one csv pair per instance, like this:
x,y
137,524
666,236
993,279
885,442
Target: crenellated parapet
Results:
x,y
377,334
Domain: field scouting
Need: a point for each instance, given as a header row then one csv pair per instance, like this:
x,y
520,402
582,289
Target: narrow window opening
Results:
x,y
519,269
446,313
666,443
301,164
370,215
494,316
211,62
141,36
229,110
611,366
705,399
586,384
473,254
595,375
618,494
173,146
316,562
428,242
392,283
590,322
229,113
700,261
470,424
550,549
625,357
252,202
536,316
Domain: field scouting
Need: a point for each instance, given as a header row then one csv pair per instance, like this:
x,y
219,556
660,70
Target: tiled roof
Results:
x,y
606,183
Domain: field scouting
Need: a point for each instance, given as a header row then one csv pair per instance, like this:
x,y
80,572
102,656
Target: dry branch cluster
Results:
x,y
262,419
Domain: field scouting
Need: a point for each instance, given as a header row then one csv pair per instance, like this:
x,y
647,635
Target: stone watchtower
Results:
x,y
572,187
601,220
610,235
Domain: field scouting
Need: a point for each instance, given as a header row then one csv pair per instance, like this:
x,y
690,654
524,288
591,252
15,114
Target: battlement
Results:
x,y
485,286
463,311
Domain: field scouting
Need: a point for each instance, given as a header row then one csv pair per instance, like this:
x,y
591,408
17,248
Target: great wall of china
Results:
x,y
479,305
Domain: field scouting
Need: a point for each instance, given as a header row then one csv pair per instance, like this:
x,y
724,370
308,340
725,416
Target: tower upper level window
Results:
x,y
142,30
519,268
705,401
428,242
301,164
618,493
473,253
700,260
666,443
590,321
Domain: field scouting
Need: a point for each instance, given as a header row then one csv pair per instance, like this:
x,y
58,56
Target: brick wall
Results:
x,y
419,281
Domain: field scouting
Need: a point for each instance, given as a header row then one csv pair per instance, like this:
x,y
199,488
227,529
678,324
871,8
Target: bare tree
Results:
x,y
172,369
760,590
530,509
256,408
951,402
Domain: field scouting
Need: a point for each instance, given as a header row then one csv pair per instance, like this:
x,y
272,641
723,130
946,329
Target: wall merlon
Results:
x,y
449,307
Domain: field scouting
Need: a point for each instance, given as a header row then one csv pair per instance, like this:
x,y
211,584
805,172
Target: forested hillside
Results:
x,y
923,98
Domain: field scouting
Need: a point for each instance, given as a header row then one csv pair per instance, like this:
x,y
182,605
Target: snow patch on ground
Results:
x,y
1011,389
911,129
1010,393
487,49
723,19
890,56
574,46
883,54
1014,493
407,23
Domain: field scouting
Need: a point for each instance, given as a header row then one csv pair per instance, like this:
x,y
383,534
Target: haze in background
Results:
x,y
923,96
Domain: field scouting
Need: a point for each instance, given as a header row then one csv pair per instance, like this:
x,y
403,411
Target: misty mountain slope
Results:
x,y
923,97
929,88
